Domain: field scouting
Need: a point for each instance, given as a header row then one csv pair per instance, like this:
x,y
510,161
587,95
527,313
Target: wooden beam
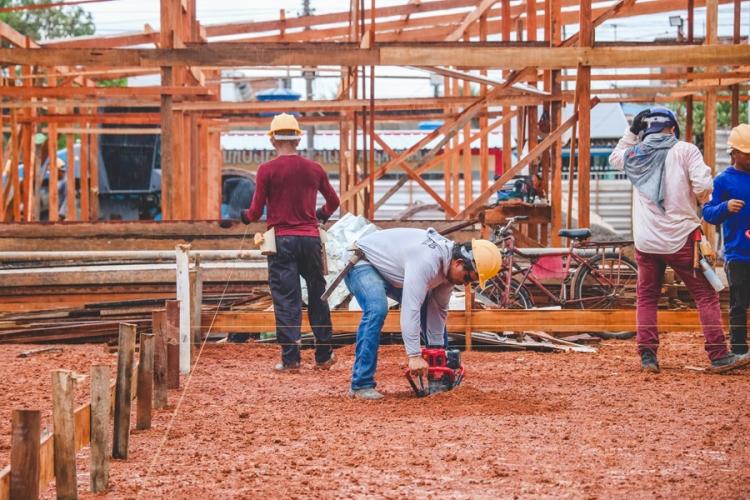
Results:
x,y
470,19
562,321
469,55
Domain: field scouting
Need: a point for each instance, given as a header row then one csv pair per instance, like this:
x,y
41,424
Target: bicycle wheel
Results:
x,y
494,293
607,282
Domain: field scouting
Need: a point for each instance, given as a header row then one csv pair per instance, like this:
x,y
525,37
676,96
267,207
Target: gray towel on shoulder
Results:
x,y
644,166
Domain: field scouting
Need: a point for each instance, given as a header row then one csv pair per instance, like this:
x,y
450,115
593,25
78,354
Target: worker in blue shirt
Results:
x,y
730,207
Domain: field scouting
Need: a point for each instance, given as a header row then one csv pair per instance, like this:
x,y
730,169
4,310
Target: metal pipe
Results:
x,y
129,254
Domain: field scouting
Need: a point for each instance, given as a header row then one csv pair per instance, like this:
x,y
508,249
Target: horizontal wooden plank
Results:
x,y
466,55
564,321
130,274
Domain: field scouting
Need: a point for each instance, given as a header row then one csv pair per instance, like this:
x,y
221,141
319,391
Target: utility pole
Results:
x,y
309,74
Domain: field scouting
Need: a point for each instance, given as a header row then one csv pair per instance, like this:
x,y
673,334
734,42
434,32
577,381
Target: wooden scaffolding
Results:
x,y
52,88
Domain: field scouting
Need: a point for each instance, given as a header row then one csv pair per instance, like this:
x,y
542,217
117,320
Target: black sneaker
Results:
x,y
649,362
326,365
729,362
281,367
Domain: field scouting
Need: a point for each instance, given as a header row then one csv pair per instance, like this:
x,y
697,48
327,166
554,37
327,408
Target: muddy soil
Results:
x,y
531,424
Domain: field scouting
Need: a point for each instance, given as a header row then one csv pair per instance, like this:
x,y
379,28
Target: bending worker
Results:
x,y
418,269
288,186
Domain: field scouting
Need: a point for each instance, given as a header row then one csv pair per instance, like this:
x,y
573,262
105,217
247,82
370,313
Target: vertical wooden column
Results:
x,y
484,145
63,387
467,166
447,157
123,390
709,132
531,112
736,39
71,211
555,121
468,306
583,95
84,186
53,173
93,177
167,16
507,127
688,132
101,403
26,430
14,170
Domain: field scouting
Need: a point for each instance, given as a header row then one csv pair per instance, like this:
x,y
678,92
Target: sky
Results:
x,y
130,15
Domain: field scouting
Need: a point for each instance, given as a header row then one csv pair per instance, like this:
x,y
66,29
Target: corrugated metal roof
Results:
x,y
607,122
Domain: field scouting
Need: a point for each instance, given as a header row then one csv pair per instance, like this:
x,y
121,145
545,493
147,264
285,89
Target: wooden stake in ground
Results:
x,y
159,326
183,295
63,395
100,410
196,301
145,382
173,344
24,454
123,390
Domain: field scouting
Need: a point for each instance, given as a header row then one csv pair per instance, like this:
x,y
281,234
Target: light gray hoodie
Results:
x,y
416,261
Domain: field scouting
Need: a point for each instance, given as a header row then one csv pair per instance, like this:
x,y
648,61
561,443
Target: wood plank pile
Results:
x,y
99,322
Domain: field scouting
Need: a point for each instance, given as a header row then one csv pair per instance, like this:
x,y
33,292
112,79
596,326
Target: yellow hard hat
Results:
x,y
487,260
739,138
285,123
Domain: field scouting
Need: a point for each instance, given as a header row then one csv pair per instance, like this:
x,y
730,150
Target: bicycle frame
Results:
x,y
511,271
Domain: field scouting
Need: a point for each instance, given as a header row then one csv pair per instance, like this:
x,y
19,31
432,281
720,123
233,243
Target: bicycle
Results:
x,y
593,275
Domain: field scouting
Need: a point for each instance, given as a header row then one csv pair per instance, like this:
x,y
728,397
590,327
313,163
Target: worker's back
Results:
x,y
288,186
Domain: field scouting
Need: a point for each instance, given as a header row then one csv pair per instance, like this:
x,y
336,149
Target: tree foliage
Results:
x,y
723,114
50,23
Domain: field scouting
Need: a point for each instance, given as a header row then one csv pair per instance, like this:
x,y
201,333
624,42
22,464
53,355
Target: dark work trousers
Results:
x,y
738,274
299,256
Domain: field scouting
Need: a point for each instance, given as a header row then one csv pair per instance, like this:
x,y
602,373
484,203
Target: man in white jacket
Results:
x,y
670,179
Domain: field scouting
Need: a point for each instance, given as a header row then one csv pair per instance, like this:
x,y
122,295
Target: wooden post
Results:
x,y
25,444
196,301
53,201
555,120
159,327
70,178
101,404
583,93
123,390
145,382
83,191
173,343
183,295
63,396
173,364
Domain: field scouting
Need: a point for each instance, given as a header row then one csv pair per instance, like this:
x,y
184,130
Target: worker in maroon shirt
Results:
x,y
288,186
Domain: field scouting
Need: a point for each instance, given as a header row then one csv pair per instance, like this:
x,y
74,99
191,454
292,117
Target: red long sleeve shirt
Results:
x,y
288,185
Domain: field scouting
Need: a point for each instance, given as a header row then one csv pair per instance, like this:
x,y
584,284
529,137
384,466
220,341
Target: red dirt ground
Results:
x,y
531,424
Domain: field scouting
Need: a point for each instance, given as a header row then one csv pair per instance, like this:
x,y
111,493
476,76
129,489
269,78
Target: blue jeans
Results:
x,y
371,291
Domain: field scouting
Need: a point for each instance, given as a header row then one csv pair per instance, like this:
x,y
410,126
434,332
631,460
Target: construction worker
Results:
x,y
730,207
419,269
671,179
288,186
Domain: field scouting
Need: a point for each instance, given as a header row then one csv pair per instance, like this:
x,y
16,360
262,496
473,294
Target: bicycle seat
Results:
x,y
576,234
